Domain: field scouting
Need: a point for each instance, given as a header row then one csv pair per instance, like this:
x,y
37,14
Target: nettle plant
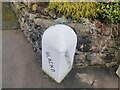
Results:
x,y
110,10
75,10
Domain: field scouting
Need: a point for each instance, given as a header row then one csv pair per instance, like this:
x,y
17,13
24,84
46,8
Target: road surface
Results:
x,y
20,68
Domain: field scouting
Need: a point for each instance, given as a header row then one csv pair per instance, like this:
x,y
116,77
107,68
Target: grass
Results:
x,y
7,14
8,17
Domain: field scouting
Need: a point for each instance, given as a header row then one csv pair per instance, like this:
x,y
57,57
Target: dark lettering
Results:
x,y
53,70
68,59
51,64
47,54
50,61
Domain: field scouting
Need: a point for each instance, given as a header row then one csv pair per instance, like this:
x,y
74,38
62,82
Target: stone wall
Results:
x,y
93,46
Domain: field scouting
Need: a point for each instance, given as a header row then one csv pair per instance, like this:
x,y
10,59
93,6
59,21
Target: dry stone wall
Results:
x,y
93,48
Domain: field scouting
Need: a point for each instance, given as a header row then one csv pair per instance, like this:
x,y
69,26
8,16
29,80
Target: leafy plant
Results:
x,y
109,10
78,10
75,10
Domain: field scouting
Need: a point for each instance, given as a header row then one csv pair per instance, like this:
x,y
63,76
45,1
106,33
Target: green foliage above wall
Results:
x,y
78,10
109,10
75,10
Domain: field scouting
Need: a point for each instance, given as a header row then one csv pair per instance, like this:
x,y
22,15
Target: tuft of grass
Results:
x,y
9,20
7,14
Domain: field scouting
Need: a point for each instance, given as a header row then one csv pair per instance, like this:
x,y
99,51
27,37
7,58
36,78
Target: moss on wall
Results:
x,y
9,20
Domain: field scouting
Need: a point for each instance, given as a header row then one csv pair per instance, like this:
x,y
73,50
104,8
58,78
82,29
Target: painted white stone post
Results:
x,y
118,71
58,49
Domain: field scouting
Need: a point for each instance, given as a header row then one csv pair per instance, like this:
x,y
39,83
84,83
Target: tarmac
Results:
x,y
20,68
